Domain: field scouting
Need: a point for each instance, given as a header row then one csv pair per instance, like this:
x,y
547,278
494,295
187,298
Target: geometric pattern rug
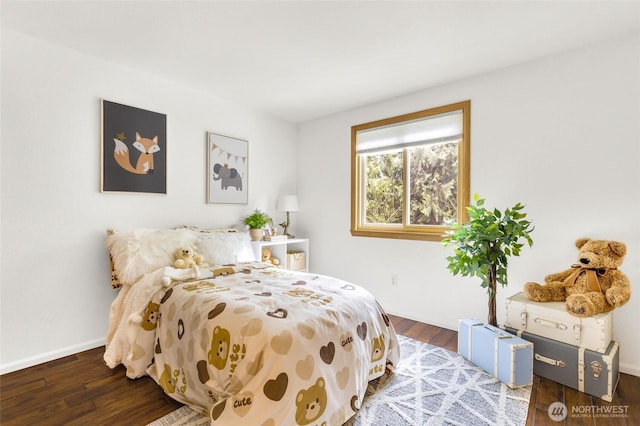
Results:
x,y
434,386
430,386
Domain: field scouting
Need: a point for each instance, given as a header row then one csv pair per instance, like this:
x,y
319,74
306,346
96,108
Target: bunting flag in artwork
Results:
x,y
228,154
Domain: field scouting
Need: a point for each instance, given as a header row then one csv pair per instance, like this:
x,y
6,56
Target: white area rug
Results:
x,y
431,386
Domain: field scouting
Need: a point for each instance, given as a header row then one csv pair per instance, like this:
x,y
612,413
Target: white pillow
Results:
x,y
198,229
140,251
225,248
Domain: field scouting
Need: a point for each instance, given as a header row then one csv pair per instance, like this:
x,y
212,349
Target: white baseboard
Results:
x,y
49,356
430,321
630,369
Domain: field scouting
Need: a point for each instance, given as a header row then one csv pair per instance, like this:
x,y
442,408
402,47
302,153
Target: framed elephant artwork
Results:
x,y
227,169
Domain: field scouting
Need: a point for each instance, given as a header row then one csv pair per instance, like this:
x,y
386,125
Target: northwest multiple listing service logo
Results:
x,y
558,411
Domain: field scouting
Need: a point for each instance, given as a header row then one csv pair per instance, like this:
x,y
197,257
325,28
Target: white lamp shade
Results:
x,y
287,203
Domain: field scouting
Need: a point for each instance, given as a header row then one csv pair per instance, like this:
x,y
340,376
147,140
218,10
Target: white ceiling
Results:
x,y
300,60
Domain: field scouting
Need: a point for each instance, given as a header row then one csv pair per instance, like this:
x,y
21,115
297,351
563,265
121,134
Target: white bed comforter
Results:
x,y
253,344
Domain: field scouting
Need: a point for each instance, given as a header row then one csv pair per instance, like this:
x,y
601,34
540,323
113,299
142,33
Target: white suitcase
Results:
x,y
551,320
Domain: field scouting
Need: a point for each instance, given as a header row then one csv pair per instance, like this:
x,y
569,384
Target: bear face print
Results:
x,y
377,351
311,403
150,318
224,271
219,347
167,380
173,380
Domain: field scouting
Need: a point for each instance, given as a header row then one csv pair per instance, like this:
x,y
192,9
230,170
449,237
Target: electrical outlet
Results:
x,y
394,281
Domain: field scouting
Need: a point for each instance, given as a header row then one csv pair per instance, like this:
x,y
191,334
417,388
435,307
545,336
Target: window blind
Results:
x,y
422,131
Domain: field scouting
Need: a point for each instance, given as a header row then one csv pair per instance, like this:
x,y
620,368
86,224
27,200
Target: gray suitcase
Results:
x,y
582,369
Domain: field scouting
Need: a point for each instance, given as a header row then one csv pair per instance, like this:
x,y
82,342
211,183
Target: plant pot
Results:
x,y
256,234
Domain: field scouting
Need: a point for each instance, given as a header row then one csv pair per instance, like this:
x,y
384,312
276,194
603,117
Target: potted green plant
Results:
x,y
484,244
256,222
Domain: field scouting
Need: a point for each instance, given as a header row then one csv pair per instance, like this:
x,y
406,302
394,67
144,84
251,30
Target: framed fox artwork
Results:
x,y
133,149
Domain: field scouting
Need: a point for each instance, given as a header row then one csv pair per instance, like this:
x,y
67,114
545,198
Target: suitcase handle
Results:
x,y
550,361
551,324
500,334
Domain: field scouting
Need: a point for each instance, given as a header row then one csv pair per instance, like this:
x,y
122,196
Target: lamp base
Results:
x,y
285,226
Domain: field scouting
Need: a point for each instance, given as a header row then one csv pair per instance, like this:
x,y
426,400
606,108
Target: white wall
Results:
x,y
558,134
54,280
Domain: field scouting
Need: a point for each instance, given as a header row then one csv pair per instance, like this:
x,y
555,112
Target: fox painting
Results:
x,y
147,148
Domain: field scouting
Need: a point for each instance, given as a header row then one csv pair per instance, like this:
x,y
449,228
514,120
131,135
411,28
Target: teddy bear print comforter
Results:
x,y
252,344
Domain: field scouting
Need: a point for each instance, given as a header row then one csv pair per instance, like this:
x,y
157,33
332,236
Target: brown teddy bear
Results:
x,y
592,286
186,257
267,258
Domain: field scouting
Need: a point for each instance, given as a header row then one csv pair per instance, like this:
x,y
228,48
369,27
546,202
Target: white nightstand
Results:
x,y
280,249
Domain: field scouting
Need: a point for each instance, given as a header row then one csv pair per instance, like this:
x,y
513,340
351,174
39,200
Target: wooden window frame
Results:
x,y
405,231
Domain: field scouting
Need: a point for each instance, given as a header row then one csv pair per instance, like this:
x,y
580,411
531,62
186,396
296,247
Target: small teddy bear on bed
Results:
x,y
186,257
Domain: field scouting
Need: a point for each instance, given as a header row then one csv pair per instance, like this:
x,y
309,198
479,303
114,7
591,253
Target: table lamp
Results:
x,y
287,203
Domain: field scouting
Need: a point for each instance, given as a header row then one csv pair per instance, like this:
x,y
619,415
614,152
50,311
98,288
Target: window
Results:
x,y
410,174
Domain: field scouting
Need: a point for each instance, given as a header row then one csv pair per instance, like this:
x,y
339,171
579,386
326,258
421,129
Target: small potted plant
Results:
x,y
256,222
484,244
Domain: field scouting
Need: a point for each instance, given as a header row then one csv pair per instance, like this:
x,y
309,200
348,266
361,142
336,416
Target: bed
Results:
x,y
242,341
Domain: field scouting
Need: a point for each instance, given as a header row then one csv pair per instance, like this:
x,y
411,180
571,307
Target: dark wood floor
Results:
x,y
81,390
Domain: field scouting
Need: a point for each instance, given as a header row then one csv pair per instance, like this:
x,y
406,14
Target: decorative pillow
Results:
x,y
219,248
140,251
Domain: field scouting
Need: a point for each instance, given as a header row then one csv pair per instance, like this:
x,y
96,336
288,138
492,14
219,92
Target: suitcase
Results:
x,y
579,368
501,354
552,320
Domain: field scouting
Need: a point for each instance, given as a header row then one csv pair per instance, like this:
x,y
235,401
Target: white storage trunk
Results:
x,y
551,320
